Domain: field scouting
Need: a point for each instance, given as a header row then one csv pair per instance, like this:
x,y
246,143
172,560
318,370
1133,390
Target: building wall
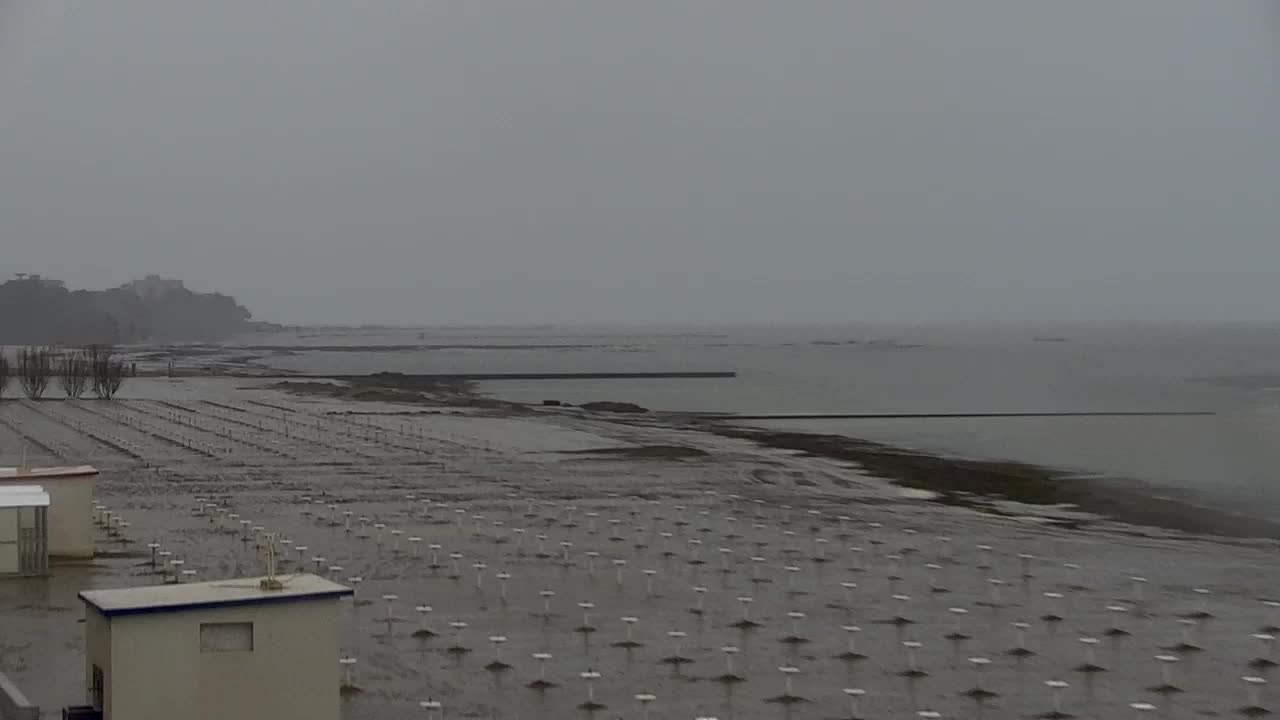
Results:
x,y
70,515
97,651
157,670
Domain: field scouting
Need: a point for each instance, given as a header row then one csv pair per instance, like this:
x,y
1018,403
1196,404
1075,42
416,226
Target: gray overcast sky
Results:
x,y
530,161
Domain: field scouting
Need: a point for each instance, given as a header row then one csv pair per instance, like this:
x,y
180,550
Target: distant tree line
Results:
x,y
96,368
38,311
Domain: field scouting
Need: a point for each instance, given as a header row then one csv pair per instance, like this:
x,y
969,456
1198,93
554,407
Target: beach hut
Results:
x,y
250,649
70,504
24,530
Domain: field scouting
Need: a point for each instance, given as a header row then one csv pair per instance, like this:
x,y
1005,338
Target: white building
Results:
x,y
70,504
24,530
215,650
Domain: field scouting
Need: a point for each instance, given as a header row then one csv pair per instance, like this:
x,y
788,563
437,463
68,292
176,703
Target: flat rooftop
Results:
x,y
184,597
12,496
14,473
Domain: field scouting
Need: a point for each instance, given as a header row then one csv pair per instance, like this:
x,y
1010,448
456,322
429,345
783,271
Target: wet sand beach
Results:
x,y
552,498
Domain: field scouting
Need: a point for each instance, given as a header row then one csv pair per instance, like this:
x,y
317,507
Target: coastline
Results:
x,y
278,457
990,485
1068,500
977,483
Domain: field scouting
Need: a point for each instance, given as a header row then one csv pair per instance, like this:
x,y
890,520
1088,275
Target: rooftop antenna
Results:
x,y
23,467
271,582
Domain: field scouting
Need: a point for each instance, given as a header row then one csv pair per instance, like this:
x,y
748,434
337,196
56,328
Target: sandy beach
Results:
x,y
582,506
641,360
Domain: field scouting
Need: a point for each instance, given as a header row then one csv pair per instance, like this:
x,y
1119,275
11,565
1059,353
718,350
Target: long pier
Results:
x,y
946,415
418,377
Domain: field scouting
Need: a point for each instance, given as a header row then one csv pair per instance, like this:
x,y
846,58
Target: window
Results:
x,y
226,637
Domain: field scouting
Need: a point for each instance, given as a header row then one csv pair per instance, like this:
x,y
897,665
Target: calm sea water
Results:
x,y
1227,461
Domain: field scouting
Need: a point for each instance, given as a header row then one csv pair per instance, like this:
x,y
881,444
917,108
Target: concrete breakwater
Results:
x,y
945,415
408,379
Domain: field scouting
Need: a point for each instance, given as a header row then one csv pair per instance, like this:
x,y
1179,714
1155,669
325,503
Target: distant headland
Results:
x,y
36,310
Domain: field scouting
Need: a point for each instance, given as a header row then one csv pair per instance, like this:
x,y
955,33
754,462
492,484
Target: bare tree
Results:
x,y
4,371
107,371
35,367
73,373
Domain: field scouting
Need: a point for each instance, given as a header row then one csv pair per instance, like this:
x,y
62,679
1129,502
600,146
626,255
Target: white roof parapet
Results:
x,y
23,496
